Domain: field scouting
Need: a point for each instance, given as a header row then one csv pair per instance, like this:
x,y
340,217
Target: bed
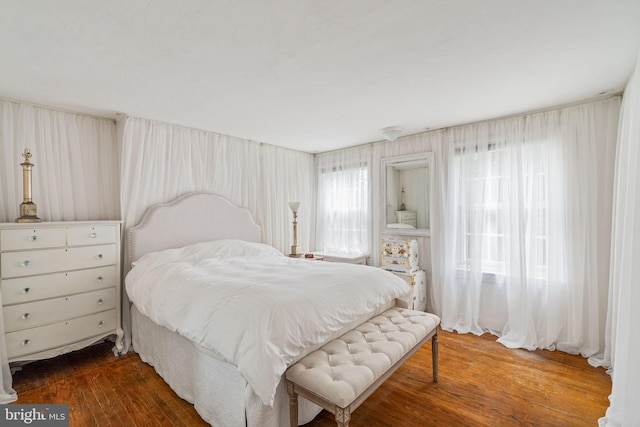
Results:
x,y
198,243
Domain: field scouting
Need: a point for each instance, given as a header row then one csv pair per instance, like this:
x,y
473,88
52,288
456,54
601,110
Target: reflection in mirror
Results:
x,y
406,194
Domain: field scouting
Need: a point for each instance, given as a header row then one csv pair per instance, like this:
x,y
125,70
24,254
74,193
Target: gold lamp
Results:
x,y
294,249
28,209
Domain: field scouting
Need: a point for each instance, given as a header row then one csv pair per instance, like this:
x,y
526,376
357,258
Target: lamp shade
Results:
x,y
294,206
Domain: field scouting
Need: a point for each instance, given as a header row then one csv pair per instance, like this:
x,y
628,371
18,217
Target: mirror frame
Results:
x,y
390,161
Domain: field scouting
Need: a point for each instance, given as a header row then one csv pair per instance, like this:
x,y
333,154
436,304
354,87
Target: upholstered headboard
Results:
x,y
188,219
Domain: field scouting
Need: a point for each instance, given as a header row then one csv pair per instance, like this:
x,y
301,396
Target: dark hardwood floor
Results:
x,y
481,383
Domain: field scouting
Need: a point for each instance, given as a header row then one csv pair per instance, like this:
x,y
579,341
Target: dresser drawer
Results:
x,y
27,263
92,256
32,314
396,263
91,235
406,215
26,289
60,334
32,238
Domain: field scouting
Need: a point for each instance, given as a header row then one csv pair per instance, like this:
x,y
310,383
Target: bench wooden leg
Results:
x,y
434,356
293,405
343,416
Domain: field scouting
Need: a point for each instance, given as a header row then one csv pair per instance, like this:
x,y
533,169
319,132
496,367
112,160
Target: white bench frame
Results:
x,y
343,415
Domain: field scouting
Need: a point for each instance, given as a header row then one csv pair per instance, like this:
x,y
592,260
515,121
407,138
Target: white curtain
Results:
x,y
623,345
343,223
521,227
160,161
75,157
287,176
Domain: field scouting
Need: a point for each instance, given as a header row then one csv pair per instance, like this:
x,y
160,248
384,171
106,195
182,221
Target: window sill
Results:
x,y
345,258
488,278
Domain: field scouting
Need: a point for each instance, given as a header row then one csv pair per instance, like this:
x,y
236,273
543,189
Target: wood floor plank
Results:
x,y
183,410
481,383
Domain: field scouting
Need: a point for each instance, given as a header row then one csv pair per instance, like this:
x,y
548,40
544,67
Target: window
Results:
x,y
502,209
343,209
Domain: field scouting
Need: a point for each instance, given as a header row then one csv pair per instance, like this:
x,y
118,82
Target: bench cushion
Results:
x,y
345,367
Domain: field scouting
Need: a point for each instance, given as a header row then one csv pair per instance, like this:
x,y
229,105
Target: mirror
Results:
x,y
406,183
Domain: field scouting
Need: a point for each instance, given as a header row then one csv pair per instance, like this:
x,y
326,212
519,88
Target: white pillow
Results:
x,y
233,248
210,252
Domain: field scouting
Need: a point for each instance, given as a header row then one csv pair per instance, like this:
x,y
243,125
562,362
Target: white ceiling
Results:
x,y
315,75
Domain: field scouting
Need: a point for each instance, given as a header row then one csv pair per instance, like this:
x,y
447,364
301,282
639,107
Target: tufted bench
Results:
x,y
344,372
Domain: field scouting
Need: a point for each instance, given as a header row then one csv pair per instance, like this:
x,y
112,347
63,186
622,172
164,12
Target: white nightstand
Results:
x,y
418,282
344,258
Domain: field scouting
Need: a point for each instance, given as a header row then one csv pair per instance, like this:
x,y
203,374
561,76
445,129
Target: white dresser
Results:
x,y
407,217
60,284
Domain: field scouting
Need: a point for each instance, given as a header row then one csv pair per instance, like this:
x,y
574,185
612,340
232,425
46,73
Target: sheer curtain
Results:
x,y
522,224
623,345
75,158
344,215
287,177
160,161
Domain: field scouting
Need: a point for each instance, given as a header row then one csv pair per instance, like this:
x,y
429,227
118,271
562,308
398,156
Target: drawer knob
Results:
x,y
93,235
26,263
26,316
26,290
99,256
100,279
26,342
33,238
101,324
100,301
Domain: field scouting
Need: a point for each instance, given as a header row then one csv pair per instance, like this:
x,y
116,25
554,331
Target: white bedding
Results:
x,y
252,305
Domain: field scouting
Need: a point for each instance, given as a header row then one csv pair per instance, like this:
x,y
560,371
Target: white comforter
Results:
x,y
252,305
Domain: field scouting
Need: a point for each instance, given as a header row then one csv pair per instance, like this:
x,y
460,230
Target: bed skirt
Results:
x,y
218,392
